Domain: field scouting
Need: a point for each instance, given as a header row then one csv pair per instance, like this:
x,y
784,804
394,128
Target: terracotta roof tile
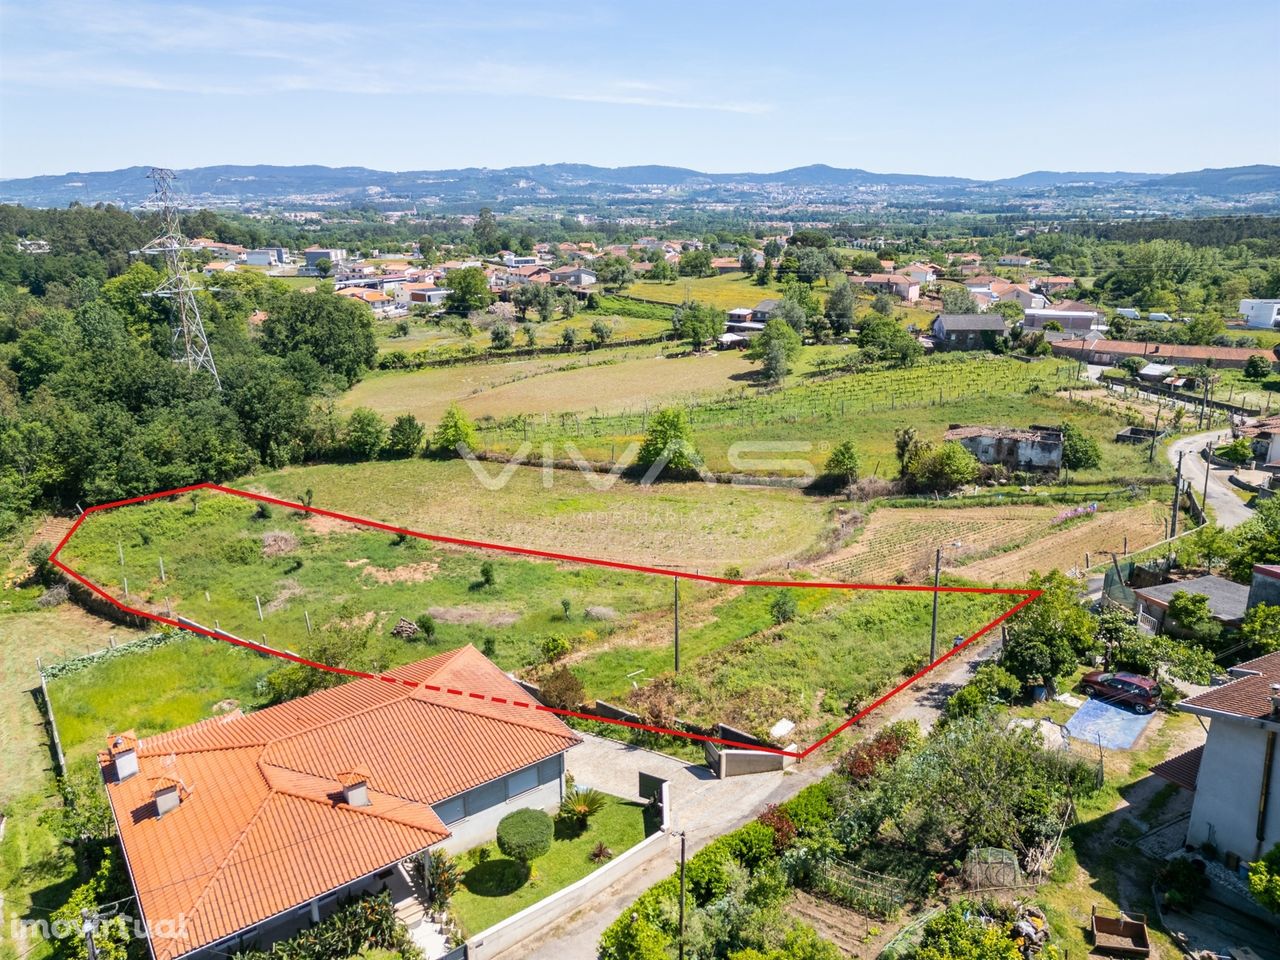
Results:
x,y
1248,697
263,824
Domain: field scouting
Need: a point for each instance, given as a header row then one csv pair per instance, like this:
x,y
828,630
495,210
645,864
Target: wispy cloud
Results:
x,y
193,50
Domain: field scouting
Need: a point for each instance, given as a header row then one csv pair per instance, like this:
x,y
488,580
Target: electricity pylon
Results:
x,y
190,345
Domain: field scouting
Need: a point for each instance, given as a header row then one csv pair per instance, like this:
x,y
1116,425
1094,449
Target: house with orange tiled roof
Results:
x,y
237,829
375,300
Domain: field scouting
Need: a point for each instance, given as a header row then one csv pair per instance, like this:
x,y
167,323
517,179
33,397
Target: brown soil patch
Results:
x,y
362,622
405,573
356,563
324,526
469,613
226,706
276,543
1065,548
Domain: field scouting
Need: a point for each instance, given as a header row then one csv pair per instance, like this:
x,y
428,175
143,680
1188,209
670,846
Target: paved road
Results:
x,y
1228,509
707,808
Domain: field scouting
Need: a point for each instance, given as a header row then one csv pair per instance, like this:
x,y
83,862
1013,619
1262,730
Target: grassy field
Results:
x,y
432,336
494,888
36,869
221,561
606,380
153,691
726,292
865,407
680,525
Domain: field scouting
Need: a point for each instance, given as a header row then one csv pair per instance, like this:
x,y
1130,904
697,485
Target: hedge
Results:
x,y
152,640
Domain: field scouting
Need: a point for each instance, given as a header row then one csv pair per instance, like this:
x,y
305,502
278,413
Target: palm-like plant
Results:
x,y
581,804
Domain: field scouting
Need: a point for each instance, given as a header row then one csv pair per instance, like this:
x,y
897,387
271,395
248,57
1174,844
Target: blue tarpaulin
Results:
x,y
1115,727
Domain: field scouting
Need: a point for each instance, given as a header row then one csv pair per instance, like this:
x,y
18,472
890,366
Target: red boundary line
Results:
x,y
1027,595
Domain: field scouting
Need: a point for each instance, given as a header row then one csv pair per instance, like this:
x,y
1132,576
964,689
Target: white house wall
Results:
x,y
1227,790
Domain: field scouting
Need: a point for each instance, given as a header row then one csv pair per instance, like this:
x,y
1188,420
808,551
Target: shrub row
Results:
x,y
149,642
368,923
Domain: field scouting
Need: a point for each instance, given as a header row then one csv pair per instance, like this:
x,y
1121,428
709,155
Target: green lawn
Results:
x,y
497,888
726,292
152,691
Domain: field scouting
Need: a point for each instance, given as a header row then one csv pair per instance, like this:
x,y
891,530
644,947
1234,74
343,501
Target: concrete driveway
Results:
x,y
701,805
1228,509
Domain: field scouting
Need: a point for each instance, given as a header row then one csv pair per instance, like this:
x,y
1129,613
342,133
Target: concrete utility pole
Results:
x,y
89,926
1177,494
680,946
1208,465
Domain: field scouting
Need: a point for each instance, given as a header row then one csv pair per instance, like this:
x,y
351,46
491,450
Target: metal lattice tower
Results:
x,y
190,345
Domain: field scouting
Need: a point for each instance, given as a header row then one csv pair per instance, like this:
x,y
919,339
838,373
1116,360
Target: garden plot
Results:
x,y
901,541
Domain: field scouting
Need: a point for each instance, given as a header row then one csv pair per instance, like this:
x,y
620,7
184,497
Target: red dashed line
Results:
x,y
362,524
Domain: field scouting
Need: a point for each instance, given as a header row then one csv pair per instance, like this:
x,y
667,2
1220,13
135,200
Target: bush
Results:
x,y
368,923
454,431
707,873
1079,451
810,810
669,444
863,761
563,690
365,434
784,831
1183,882
426,626
442,876
1264,879
525,835
783,607
406,435
487,575
1239,450
751,845
941,468
553,648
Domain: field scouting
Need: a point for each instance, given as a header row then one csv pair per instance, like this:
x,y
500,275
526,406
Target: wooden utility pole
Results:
x,y
933,630
675,583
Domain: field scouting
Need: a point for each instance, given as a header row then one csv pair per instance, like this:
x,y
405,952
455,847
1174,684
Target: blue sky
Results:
x,y
983,89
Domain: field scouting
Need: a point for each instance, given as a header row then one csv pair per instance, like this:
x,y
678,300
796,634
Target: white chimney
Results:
x,y
355,787
124,753
1275,700
167,795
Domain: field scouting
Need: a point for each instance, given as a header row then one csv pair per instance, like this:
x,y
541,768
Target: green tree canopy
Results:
x,y
454,430
334,331
670,438
468,290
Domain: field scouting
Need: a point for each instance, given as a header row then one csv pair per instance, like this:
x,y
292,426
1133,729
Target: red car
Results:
x,y
1141,693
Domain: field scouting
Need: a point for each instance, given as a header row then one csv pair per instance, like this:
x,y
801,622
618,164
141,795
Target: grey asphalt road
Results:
x,y
1228,509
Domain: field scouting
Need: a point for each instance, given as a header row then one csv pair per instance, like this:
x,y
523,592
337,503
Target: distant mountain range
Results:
x,y
548,183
